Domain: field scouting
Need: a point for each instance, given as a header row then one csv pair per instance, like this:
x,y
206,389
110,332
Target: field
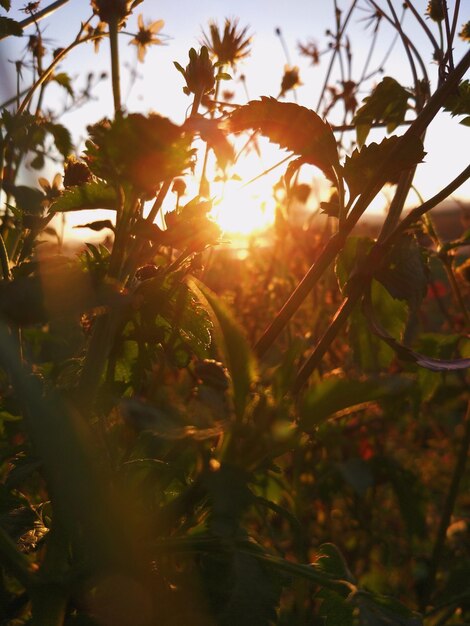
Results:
x,y
262,426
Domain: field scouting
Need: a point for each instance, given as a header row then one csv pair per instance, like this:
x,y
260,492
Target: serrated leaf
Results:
x,y
233,344
292,127
9,27
459,103
373,162
404,273
336,393
64,80
387,103
95,195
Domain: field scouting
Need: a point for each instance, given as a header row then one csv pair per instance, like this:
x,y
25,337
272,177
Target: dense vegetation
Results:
x,y
191,438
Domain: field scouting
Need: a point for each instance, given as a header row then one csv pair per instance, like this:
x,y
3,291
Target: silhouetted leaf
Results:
x,y
459,103
374,162
95,195
64,80
62,138
6,4
293,127
28,199
98,225
387,103
9,27
232,343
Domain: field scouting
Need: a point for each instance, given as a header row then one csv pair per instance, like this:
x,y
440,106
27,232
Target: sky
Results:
x,y
158,86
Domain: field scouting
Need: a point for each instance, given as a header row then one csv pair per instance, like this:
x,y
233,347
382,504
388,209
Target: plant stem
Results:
x,y
326,340
449,505
336,243
4,261
115,71
47,73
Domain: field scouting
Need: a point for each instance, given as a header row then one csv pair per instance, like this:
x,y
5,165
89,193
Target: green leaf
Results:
x,y
459,103
95,195
406,353
9,27
336,393
404,274
5,4
387,103
62,138
293,127
374,162
74,469
64,80
233,344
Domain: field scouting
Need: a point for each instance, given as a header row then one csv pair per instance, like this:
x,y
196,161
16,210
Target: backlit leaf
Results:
x,y
375,162
293,127
95,195
388,103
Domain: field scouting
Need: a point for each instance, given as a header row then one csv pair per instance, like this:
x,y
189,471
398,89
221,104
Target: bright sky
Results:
x,y
159,87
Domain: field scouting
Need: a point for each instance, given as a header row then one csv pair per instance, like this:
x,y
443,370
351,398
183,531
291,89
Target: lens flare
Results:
x,y
244,210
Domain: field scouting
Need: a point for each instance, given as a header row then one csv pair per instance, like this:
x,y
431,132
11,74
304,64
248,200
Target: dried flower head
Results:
x,y
229,46
435,10
30,7
75,172
465,32
113,11
97,33
146,36
310,50
290,80
35,46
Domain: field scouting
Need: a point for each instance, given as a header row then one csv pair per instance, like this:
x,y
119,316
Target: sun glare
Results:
x,y
244,210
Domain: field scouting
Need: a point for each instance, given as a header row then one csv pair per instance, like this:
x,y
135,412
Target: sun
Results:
x,y
243,210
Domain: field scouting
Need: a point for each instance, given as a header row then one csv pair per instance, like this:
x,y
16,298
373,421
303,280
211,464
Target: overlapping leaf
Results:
x,y
384,161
